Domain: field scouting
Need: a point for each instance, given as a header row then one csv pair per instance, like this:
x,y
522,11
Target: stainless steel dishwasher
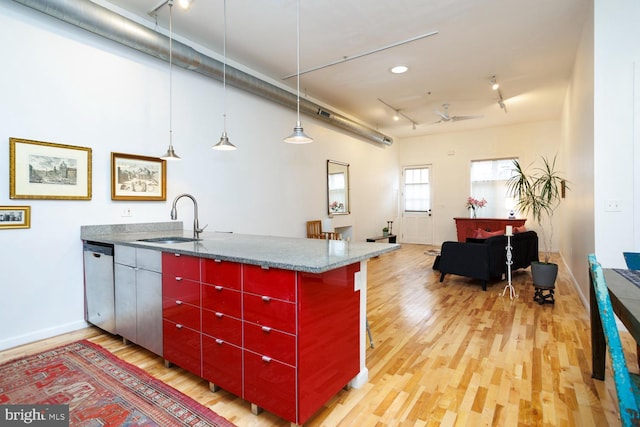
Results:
x,y
98,285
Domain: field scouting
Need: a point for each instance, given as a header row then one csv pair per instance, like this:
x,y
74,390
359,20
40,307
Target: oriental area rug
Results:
x,y
100,389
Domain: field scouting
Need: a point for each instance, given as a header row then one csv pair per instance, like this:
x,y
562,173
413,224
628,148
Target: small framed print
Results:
x,y
44,170
15,217
138,177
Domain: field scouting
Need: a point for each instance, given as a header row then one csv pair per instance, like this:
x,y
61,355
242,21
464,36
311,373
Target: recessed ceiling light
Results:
x,y
399,69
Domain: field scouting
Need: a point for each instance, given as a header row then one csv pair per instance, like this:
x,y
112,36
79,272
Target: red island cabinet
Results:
x,y
285,341
301,338
181,311
222,325
328,336
270,351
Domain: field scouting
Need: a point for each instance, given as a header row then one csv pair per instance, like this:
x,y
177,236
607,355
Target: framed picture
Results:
x,y
43,170
15,217
138,177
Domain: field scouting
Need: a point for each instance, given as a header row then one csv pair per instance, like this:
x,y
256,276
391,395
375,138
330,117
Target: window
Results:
x,y
489,180
417,189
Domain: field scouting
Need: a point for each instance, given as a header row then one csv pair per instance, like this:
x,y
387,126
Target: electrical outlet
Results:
x,y
126,212
614,206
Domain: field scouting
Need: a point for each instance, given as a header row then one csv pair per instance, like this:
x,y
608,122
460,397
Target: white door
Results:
x,y
417,223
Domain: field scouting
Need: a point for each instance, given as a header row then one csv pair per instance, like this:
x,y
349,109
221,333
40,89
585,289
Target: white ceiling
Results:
x,y
528,45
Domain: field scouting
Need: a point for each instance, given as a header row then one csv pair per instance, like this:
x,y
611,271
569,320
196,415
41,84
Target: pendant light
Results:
x,y
224,144
170,154
298,136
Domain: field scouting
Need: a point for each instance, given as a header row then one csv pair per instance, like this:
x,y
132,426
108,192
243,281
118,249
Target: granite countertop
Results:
x,y
300,254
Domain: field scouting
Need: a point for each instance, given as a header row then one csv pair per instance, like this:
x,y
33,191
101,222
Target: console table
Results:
x,y
391,237
467,226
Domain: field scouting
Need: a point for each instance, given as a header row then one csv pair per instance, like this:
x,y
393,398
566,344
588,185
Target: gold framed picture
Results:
x,y
138,177
15,217
44,170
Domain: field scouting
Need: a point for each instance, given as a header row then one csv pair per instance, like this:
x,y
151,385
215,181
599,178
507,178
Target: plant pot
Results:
x,y
544,274
385,233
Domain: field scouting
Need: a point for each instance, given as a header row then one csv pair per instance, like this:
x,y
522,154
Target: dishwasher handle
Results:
x,y
98,248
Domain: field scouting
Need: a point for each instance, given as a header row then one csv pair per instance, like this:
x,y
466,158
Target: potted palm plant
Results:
x,y
538,194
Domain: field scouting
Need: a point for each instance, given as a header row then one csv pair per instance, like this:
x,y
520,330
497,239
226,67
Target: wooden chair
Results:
x,y
627,384
314,231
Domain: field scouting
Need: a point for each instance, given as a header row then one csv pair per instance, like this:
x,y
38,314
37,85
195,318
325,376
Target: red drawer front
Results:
x,y
270,312
223,273
270,385
182,289
272,282
222,364
181,313
221,299
185,266
181,346
223,326
270,342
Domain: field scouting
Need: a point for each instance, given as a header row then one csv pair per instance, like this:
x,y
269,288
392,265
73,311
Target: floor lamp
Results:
x,y
512,290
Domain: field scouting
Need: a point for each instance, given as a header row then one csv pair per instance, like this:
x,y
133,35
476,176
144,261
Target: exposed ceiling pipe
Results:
x,y
106,23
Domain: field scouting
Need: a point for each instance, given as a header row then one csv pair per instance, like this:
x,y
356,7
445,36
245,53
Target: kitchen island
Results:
x,y
278,321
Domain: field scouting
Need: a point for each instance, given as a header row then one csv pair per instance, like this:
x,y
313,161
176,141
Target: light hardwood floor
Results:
x,y
446,354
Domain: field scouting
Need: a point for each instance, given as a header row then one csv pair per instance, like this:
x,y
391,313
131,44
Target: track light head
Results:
x,y
185,4
494,83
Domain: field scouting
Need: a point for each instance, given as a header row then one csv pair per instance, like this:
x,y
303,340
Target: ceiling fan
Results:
x,y
445,117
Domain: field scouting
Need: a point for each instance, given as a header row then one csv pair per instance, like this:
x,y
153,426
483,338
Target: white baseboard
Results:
x,y
41,334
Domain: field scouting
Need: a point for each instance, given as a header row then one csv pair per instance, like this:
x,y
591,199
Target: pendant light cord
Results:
x,y
224,70
298,57
171,73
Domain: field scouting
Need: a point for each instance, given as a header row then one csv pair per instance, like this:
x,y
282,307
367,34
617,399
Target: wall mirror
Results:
x,y
338,188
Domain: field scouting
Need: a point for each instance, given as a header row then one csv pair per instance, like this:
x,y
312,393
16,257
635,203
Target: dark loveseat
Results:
x,y
487,259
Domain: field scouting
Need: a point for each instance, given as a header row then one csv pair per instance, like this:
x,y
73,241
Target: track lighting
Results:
x,y
397,114
184,4
494,83
501,101
496,87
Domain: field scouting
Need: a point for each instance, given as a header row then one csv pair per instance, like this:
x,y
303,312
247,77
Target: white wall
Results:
x,y
64,85
577,230
616,59
450,155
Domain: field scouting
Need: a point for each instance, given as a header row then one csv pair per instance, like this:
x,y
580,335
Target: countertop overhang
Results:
x,y
290,253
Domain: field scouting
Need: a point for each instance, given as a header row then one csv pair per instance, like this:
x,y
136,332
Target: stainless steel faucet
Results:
x,y
196,225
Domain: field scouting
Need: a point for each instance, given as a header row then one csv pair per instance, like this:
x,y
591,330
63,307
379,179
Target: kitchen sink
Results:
x,y
175,239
